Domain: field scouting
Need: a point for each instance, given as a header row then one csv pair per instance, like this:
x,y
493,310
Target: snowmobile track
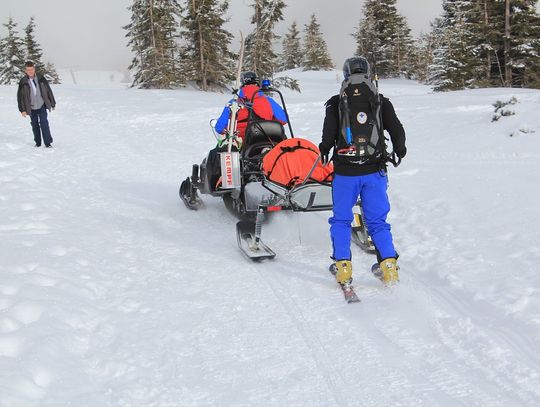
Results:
x,y
294,311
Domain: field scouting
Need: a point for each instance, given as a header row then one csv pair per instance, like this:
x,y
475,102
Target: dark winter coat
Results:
x,y
331,133
23,94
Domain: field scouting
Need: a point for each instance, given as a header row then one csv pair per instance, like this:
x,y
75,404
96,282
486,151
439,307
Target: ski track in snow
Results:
x,y
114,294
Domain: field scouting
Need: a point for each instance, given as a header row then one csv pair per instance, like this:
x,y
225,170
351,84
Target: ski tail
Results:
x,y
347,288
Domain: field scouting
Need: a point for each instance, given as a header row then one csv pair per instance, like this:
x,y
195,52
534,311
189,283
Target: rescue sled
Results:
x,y
271,172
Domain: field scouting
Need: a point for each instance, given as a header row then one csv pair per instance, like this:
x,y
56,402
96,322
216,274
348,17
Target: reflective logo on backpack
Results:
x,y
362,117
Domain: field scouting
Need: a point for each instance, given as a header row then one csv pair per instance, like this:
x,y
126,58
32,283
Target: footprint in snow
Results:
x,y
28,388
8,325
28,206
506,237
12,147
5,164
10,345
36,228
42,281
42,376
407,173
5,303
27,312
8,289
59,251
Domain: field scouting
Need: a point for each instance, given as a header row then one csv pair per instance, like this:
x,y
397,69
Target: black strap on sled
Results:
x,y
285,150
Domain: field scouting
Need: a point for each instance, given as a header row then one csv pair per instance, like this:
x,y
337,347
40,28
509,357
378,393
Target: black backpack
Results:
x,y
361,138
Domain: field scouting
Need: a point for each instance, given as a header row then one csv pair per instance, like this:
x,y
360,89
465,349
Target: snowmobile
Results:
x,y
250,193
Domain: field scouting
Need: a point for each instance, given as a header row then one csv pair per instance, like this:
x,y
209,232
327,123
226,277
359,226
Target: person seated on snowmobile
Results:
x,y
251,98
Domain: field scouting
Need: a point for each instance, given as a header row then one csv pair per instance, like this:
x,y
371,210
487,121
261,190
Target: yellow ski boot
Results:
x,y
343,270
389,269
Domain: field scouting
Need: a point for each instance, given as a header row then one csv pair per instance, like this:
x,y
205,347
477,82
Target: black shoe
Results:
x,y
48,146
37,145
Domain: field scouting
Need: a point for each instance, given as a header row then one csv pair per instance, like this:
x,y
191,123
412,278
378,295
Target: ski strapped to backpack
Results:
x,y
231,138
362,137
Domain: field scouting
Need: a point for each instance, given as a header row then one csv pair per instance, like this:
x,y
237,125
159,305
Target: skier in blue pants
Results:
x,y
372,191
356,176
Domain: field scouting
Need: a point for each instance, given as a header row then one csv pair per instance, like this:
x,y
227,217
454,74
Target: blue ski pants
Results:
x,y
371,189
40,126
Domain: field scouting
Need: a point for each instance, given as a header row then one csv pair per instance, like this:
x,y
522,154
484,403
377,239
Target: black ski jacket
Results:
x,y
331,132
23,94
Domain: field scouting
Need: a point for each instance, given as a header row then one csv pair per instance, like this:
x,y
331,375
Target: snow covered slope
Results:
x,y
113,294
75,76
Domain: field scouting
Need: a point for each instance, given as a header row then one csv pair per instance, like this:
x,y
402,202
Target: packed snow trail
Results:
x,y
112,293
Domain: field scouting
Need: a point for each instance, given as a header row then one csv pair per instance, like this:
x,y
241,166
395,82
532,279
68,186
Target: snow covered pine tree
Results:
x,y
11,55
316,56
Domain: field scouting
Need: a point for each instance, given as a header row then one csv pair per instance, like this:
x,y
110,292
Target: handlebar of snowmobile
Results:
x,y
211,123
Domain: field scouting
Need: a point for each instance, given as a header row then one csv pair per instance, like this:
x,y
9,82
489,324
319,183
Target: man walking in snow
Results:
x,y
35,97
354,127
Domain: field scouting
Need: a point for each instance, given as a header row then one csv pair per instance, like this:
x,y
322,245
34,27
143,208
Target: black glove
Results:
x,y
402,153
325,154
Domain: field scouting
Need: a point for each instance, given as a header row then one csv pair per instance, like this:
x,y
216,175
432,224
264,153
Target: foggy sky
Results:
x,y
87,34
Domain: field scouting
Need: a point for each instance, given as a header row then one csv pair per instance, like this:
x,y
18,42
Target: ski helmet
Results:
x,y
249,78
355,65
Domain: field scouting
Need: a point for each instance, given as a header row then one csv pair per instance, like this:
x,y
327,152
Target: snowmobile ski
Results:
x,y
189,195
347,288
359,238
360,235
254,249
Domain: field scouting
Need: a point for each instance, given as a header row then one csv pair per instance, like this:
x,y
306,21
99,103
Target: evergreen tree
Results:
x,y
292,49
152,34
486,25
316,57
437,70
486,43
368,42
421,57
260,56
11,55
523,59
511,31
51,74
206,57
384,38
33,50
35,54
457,62
402,48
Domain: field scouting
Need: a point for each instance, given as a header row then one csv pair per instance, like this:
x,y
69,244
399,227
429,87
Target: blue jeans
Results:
x,y
40,124
371,189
